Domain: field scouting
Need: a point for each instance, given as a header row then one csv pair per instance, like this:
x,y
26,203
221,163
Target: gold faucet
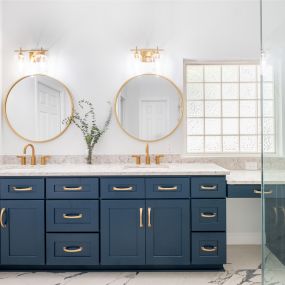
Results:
x,y
33,157
147,156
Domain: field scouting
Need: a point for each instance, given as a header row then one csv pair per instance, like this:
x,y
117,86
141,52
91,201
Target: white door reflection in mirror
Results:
x,y
149,107
36,106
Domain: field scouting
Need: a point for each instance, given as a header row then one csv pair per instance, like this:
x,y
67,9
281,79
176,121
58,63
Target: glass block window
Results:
x,y
223,108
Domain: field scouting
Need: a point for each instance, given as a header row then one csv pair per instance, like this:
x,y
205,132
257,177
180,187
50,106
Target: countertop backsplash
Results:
x,y
231,163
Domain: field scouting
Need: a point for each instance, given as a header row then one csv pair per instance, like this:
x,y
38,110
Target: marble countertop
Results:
x,y
244,177
113,170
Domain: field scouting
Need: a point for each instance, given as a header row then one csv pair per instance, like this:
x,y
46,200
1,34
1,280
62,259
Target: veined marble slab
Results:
x,y
114,170
272,176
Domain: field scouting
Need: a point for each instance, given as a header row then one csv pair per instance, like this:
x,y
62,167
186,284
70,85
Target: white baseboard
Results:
x,y
244,238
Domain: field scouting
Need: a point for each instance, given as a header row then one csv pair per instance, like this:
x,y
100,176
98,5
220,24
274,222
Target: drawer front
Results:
x,y
22,188
208,214
72,216
245,191
72,249
122,188
209,248
168,187
208,187
72,188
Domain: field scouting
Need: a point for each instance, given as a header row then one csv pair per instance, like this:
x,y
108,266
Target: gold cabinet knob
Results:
x,y
23,159
157,158
138,159
44,159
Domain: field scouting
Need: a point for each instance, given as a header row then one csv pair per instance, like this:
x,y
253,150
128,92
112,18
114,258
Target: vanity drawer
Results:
x,y
208,187
72,249
72,216
168,187
245,191
209,248
208,214
72,188
122,188
22,188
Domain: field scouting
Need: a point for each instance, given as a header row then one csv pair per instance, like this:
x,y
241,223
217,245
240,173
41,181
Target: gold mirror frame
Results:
x,y
9,123
179,92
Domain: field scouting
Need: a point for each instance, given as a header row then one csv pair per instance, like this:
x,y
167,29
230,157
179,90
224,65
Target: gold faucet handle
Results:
x,y
44,159
23,159
157,158
138,159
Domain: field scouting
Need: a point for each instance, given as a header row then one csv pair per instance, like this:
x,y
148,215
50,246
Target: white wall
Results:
x,y
89,46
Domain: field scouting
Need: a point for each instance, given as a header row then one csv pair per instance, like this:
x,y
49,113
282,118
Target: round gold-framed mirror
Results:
x,y
149,107
35,107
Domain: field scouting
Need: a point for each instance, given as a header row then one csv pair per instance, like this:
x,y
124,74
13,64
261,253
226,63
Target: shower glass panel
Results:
x,y
273,132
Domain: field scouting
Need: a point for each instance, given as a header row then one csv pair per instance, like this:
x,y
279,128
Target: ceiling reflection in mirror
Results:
x,y
35,108
149,107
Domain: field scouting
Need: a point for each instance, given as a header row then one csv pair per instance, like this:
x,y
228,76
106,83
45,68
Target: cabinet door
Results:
x,y
168,232
123,232
22,232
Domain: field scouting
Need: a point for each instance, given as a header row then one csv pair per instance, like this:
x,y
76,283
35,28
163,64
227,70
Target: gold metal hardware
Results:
x,y
260,192
118,116
141,217
79,249
24,189
157,158
44,159
213,249
33,157
138,159
18,132
123,188
149,218
206,215
35,55
23,159
66,188
147,156
3,210
67,216
208,188
147,54
161,188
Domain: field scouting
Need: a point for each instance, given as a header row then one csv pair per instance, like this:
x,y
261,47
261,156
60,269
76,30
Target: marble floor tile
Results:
x,y
242,269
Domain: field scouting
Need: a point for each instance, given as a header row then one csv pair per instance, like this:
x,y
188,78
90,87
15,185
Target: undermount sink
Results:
x,y
145,166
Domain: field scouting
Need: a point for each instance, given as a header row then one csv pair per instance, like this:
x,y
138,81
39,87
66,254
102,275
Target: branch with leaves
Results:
x,y
85,120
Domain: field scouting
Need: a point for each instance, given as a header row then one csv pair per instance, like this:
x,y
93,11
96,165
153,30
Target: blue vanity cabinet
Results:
x,y
123,232
22,232
167,232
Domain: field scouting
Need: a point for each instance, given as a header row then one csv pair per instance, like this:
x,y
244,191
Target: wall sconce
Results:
x,y
146,54
35,55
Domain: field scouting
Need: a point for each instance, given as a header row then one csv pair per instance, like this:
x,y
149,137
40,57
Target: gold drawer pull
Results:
x,y
209,188
208,215
123,188
260,192
78,249
161,188
23,189
66,188
68,216
148,217
141,217
207,249
3,210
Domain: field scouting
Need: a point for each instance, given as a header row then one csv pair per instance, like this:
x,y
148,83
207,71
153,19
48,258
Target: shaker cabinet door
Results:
x,y
168,232
22,232
123,232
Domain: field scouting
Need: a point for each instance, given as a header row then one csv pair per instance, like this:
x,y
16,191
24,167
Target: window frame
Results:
x,y
279,133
